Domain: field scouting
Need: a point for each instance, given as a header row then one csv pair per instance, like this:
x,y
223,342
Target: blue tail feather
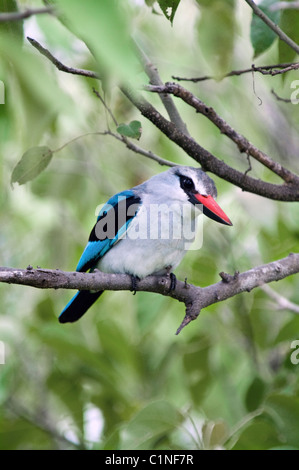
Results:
x,y
78,305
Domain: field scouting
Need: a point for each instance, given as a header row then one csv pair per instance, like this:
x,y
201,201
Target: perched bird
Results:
x,y
146,230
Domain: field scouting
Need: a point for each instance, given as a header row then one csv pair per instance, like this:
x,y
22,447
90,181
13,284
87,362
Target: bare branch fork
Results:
x,y
284,192
195,298
243,144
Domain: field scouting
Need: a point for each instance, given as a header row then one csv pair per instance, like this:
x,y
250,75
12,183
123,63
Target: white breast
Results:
x,y
155,242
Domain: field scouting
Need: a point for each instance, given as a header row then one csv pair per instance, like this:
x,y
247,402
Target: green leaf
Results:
x,y
104,27
214,434
169,8
289,23
13,28
284,410
149,425
261,35
255,394
260,434
132,130
216,34
32,163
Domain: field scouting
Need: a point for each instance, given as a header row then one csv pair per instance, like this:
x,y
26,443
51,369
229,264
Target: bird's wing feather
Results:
x,y
112,224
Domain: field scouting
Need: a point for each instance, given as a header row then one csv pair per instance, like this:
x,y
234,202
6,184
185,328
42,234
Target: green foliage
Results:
x,y
120,378
289,23
261,35
104,27
169,8
32,163
13,28
216,32
132,130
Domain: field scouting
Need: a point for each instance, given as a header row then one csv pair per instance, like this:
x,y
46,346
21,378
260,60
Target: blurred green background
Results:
x,y
120,378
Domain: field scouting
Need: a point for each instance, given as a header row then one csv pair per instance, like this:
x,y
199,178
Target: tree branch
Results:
x,y
59,65
195,298
243,144
154,77
272,70
285,192
22,15
209,162
273,26
282,302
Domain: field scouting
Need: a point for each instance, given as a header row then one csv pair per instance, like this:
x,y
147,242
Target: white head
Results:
x,y
184,184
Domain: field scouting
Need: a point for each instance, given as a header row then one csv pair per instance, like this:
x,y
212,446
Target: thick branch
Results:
x,y
243,144
195,298
208,161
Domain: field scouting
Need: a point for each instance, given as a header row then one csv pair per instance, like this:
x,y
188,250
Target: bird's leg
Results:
x,y
134,282
172,278
172,282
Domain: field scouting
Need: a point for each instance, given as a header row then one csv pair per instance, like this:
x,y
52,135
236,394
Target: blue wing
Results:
x,y
112,223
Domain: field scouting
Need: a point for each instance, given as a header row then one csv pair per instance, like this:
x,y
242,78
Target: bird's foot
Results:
x,y
134,282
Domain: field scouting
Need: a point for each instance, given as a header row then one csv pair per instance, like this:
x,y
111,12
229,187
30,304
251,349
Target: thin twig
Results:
x,y
276,29
129,144
22,15
154,77
59,65
135,148
284,100
272,70
282,302
106,107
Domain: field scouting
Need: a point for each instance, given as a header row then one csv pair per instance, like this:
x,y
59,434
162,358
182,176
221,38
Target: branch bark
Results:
x,y
195,298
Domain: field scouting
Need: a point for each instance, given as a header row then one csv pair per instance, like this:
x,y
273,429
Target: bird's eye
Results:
x,y
187,183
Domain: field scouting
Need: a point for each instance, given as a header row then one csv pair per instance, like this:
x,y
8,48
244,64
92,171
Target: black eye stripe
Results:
x,y
186,183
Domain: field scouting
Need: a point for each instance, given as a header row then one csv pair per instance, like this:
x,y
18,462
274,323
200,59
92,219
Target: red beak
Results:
x,y
212,209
